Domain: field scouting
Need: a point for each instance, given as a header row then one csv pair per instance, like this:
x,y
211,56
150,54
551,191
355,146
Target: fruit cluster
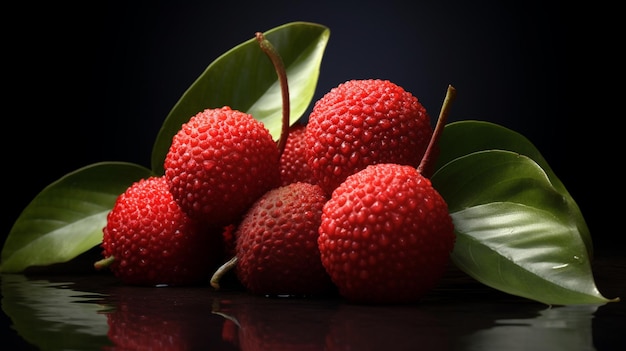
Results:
x,y
346,206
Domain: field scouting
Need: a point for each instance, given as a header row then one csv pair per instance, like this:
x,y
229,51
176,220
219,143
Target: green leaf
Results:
x,y
464,137
66,218
516,231
245,79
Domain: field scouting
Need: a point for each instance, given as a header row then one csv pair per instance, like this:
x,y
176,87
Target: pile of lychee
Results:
x,y
344,207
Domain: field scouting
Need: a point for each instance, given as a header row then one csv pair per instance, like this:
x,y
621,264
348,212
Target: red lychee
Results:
x,y
293,163
149,240
386,235
219,163
363,122
277,251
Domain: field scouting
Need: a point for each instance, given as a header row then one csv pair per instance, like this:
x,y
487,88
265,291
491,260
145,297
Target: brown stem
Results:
x,y
279,66
223,269
425,164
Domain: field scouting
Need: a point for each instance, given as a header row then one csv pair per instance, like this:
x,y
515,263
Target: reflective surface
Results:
x,y
95,312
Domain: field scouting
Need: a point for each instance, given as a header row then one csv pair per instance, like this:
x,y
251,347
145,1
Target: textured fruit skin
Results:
x,y
386,235
219,163
363,122
154,242
293,161
276,244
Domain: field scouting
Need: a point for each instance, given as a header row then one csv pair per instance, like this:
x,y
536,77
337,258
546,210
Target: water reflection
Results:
x,y
98,313
562,328
52,315
252,323
164,319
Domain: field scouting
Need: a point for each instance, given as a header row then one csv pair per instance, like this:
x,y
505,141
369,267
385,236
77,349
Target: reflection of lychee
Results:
x,y
277,324
163,319
398,328
129,330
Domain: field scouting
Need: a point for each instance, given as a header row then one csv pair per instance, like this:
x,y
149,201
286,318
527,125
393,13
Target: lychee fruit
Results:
x,y
149,240
364,122
219,163
293,160
277,251
386,235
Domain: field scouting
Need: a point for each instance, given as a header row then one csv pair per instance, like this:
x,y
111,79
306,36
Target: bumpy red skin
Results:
x,y
363,122
277,243
154,242
219,163
386,235
293,164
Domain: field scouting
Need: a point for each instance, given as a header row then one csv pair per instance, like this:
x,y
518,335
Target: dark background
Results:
x,y
94,83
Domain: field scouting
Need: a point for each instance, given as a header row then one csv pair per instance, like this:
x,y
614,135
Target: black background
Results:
x,y
94,83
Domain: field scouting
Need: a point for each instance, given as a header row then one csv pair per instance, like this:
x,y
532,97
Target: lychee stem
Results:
x,y
425,163
223,269
103,263
279,66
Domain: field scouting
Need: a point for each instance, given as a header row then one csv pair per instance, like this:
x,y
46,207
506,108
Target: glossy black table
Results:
x,y
82,311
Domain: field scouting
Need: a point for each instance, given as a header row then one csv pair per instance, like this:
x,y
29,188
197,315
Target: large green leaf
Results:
x,y
245,79
66,218
464,137
516,231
